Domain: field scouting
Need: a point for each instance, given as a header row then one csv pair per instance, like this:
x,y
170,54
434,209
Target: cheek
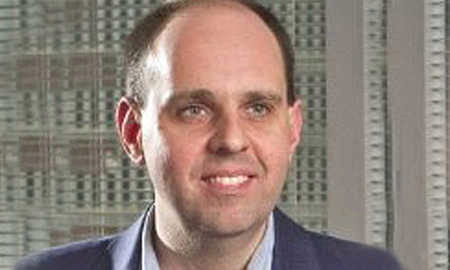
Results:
x,y
273,136
181,170
277,158
184,153
272,147
155,148
156,156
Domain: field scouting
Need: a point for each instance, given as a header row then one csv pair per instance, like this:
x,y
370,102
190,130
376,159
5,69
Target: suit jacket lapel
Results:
x,y
125,249
293,248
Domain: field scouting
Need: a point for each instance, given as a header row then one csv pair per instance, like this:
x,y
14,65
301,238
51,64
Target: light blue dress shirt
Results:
x,y
261,259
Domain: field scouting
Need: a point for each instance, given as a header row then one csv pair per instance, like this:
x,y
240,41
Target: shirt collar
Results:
x,y
261,259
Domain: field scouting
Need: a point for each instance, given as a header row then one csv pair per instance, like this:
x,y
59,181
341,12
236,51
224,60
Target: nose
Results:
x,y
229,136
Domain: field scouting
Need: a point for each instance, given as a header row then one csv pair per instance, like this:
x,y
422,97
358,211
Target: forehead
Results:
x,y
226,43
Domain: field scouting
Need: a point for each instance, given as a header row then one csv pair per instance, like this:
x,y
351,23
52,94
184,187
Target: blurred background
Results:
x,y
372,165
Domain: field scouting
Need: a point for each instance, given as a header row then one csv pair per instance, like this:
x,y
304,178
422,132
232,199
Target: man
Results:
x,y
210,111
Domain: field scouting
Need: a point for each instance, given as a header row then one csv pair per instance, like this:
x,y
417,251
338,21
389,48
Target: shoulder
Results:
x,y
350,255
120,251
327,252
90,254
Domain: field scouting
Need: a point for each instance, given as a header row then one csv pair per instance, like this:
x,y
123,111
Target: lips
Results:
x,y
228,176
232,180
229,182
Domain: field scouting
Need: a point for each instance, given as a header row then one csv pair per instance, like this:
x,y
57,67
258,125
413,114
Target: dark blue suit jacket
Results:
x,y
295,248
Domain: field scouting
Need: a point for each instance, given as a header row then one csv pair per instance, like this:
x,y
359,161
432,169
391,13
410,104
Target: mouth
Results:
x,y
228,180
228,183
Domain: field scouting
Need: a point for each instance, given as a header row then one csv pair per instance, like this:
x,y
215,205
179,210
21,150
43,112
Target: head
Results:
x,y
210,111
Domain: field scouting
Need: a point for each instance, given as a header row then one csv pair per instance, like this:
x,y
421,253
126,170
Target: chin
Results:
x,y
232,225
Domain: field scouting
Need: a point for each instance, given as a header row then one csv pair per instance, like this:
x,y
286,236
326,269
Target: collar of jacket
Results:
x,y
125,250
293,246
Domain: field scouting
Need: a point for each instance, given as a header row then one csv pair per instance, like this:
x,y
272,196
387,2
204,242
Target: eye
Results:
x,y
194,112
258,110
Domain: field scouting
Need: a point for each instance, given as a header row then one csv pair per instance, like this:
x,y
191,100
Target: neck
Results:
x,y
178,248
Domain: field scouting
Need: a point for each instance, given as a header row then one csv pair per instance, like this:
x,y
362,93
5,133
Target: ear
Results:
x,y
128,128
296,123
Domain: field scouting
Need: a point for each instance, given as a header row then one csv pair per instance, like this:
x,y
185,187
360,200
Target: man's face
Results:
x,y
225,133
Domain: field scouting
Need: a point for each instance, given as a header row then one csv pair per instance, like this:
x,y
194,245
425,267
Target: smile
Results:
x,y
235,180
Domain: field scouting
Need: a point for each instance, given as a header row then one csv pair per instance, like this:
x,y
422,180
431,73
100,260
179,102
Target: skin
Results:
x,y
223,111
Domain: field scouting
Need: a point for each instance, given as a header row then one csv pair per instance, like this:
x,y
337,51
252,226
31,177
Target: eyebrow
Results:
x,y
263,95
195,94
207,95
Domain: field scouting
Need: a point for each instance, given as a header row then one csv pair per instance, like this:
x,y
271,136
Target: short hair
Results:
x,y
140,42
